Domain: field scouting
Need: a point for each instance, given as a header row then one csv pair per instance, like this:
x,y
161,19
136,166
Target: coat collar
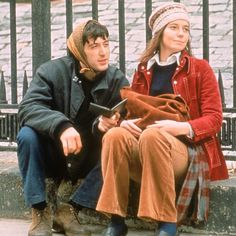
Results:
x,y
170,60
183,61
77,93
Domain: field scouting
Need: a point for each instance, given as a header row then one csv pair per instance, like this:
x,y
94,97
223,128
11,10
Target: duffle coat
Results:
x,y
195,81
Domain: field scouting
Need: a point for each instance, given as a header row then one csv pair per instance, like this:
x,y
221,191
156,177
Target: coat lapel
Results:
x,y
103,86
77,95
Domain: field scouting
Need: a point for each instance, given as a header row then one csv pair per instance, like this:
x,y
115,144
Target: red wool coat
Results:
x,y
195,81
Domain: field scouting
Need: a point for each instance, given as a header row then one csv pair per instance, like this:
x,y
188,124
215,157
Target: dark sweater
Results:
x,y
161,80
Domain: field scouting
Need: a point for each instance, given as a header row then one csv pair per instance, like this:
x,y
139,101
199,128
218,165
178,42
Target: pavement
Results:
x,y
19,227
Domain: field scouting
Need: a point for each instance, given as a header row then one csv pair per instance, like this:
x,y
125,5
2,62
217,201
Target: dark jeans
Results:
x,y
40,157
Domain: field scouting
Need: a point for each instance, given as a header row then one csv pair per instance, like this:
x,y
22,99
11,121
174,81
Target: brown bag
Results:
x,y
154,108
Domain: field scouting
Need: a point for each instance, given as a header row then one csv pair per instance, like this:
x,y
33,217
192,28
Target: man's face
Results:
x,y
98,53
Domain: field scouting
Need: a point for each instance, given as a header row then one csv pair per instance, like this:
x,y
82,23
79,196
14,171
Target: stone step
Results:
x,y
222,217
19,227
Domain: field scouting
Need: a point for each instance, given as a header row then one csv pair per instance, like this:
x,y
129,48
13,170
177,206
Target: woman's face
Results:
x,y
175,37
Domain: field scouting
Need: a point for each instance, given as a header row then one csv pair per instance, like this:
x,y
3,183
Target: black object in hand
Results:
x,y
105,111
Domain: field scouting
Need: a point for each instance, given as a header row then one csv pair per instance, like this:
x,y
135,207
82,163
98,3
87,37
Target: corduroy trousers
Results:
x,y
157,160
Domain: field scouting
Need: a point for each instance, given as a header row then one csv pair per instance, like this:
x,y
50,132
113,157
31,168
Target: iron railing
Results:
x,y
41,52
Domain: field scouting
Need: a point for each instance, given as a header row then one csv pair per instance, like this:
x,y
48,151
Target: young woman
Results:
x,y
156,157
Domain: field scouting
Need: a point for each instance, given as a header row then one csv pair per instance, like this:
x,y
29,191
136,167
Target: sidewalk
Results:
x,y
17,227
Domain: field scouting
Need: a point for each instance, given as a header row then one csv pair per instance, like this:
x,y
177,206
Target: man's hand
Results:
x,y
106,123
71,142
131,127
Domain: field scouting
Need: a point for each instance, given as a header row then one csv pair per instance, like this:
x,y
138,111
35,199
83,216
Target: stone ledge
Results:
x,y
222,205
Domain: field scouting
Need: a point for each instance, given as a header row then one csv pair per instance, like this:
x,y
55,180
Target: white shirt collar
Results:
x,y
170,60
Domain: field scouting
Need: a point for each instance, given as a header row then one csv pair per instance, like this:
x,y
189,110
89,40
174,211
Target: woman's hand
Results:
x,y
106,123
172,127
131,127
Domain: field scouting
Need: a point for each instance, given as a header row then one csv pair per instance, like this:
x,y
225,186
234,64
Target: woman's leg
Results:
x,y
120,162
164,161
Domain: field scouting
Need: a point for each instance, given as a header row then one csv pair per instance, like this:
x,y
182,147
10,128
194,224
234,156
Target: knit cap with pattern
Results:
x,y
167,13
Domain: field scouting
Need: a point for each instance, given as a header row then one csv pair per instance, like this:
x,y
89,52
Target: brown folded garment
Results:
x,y
154,108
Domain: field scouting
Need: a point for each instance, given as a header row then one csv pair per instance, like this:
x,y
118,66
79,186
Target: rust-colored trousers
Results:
x,y
158,161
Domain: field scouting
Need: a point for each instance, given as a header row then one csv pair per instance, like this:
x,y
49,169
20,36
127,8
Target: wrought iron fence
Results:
x,y
41,28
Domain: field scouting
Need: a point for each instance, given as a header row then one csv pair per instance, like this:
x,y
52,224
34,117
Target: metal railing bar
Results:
x,y
95,9
205,21
13,51
234,53
3,99
148,10
69,18
41,32
121,9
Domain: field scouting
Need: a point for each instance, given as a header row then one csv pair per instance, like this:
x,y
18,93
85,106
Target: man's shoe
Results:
x,y
41,222
114,231
66,221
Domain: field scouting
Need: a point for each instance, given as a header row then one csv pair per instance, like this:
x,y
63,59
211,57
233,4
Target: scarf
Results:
x,y
75,45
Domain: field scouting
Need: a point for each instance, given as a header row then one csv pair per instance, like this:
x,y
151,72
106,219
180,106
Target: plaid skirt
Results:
x,y
193,200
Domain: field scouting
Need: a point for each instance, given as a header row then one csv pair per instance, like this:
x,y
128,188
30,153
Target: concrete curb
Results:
x,y
222,205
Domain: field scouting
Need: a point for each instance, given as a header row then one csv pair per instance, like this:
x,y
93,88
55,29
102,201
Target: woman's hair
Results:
x,y
154,46
94,30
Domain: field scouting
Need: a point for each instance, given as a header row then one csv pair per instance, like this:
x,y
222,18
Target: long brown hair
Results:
x,y
153,46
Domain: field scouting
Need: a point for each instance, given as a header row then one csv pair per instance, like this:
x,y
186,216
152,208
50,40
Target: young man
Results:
x,y
59,136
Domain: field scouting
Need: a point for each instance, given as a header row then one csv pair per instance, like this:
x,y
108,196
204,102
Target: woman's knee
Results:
x,y
115,135
151,135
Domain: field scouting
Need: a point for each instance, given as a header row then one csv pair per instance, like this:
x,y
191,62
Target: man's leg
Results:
x,y
31,154
86,195
88,192
86,166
